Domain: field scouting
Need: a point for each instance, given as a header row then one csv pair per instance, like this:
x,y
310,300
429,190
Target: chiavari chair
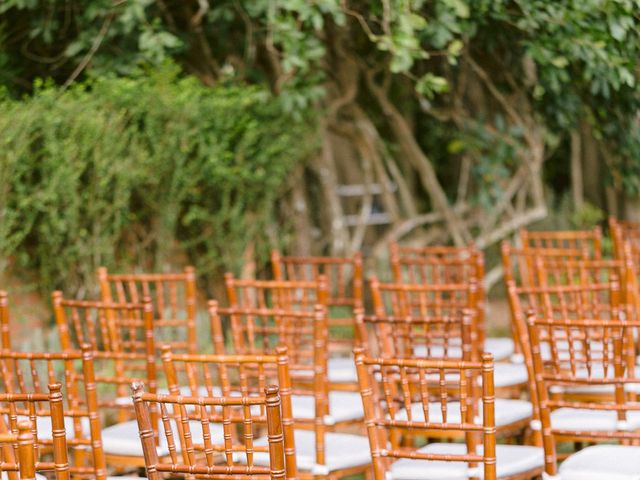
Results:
x,y
563,303
587,353
173,296
400,300
92,404
587,242
443,338
438,265
235,375
317,412
217,455
121,337
621,232
21,464
345,293
18,420
291,296
399,398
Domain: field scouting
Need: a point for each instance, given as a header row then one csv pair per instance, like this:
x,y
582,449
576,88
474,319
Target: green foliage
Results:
x,y
148,171
588,216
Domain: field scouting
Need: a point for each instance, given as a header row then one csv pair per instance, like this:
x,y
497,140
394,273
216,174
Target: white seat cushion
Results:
x,y
342,450
500,347
124,438
342,370
580,419
610,462
510,460
43,426
343,407
509,374
507,411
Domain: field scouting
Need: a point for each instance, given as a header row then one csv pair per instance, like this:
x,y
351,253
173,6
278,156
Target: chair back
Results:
x,y
427,397
417,337
215,457
284,294
233,376
173,296
583,354
587,242
5,327
21,411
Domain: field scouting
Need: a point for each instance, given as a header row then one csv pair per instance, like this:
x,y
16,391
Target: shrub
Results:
x,y
147,172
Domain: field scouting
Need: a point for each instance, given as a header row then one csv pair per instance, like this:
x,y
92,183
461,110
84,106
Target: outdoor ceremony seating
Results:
x,y
173,297
398,397
587,354
212,454
20,446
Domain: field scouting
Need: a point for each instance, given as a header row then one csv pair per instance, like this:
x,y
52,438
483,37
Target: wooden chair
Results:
x,y
563,303
344,284
317,411
439,265
621,232
174,302
121,337
21,411
292,296
587,242
217,455
21,466
236,375
587,353
443,338
91,382
400,300
399,397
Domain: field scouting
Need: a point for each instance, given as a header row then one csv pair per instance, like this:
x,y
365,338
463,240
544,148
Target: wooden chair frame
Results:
x,y
220,411
163,289
5,327
25,433
344,287
253,372
408,382
588,242
554,373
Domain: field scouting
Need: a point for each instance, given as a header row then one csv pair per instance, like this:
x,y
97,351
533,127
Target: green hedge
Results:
x,y
150,172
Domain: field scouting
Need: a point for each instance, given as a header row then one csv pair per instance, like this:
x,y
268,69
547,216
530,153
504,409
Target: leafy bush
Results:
x,y
145,172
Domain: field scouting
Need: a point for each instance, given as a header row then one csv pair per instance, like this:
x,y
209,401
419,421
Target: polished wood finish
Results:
x,y
24,372
344,287
235,375
27,446
212,458
587,242
5,327
583,353
283,294
389,389
173,296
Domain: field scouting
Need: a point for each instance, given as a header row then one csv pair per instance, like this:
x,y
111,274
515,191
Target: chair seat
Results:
x,y
124,438
342,450
342,370
500,347
510,460
509,374
507,412
610,462
43,426
343,407
580,419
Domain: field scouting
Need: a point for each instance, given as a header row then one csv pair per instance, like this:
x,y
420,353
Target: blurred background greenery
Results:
x,y
147,134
